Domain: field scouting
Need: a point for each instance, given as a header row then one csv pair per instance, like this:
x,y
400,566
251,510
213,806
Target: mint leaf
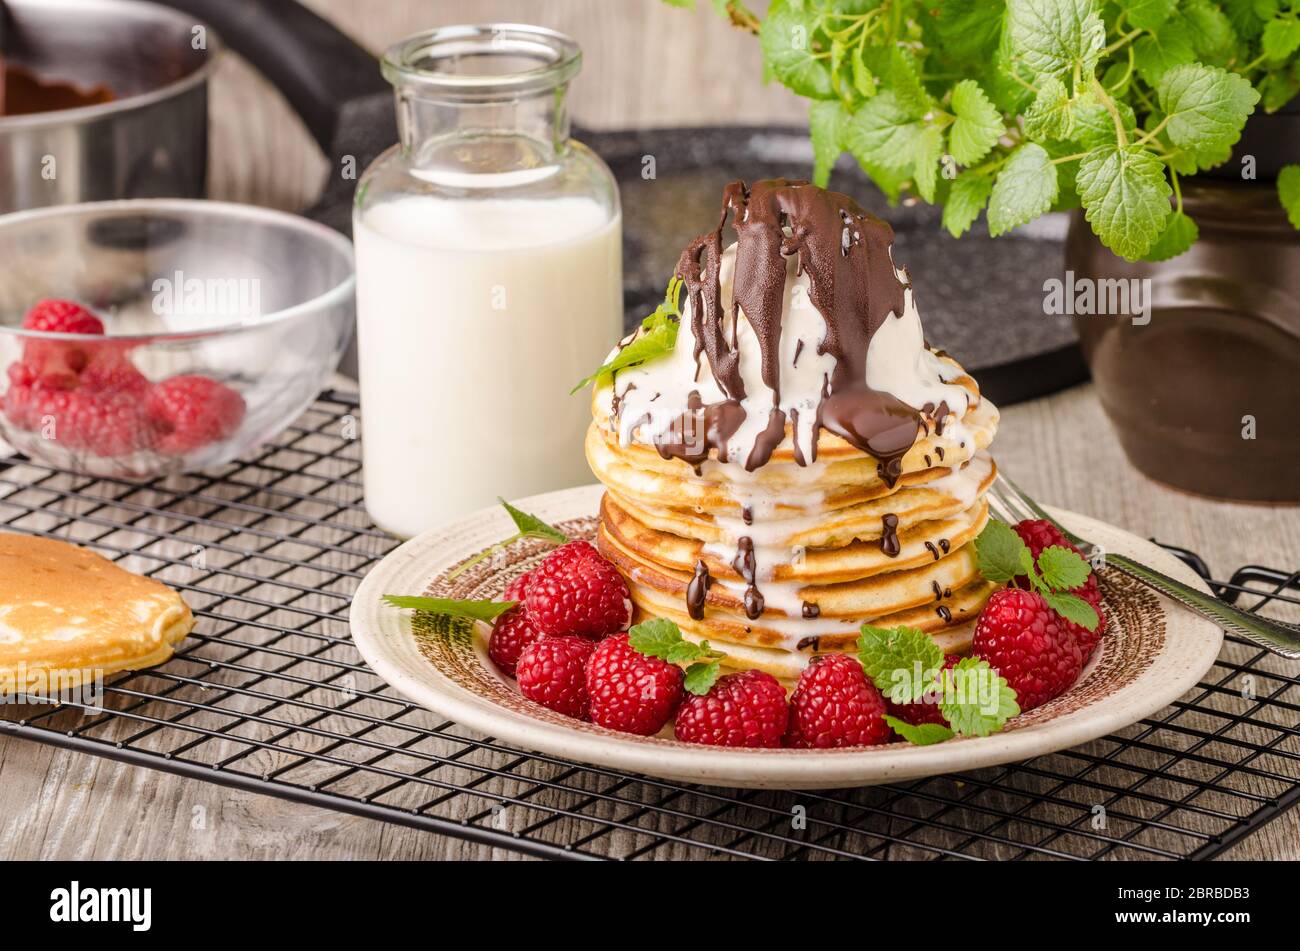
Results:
x,y
967,197
655,637
700,678
901,661
919,735
825,126
1001,553
863,79
975,699
475,610
1288,192
1212,35
1072,608
1055,36
1094,125
1025,188
906,82
884,134
1205,108
656,337
925,170
1169,46
1245,22
1049,116
1125,197
978,125
786,36
1148,14
533,526
969,29
1062,569
1281,38
662,638
1179,235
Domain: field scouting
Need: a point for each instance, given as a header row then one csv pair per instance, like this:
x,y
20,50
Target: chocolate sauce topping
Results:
x,y
844,250
811,610
889,535
697,591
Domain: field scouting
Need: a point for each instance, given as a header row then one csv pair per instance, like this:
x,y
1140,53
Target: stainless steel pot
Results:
x,y
150,141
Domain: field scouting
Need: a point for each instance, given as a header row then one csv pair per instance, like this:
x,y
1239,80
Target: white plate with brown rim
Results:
x,y
1152,654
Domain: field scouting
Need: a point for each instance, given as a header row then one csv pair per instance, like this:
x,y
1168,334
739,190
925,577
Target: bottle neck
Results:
x,y
483,134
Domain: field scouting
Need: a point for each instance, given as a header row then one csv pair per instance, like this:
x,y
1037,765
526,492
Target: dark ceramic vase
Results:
x,y
1204,396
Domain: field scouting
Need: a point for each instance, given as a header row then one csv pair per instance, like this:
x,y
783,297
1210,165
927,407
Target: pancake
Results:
x,y
68,615
797,461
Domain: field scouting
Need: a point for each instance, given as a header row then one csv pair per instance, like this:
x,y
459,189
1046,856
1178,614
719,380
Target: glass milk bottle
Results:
x,y
489,278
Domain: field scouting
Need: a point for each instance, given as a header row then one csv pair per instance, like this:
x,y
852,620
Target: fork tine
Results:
x,y
1008,500
1000,508
1016,498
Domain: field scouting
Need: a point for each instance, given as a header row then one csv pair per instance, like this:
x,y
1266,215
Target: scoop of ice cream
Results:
x,y
803,324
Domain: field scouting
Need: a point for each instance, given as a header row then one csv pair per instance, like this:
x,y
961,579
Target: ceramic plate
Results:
x,y
1152,653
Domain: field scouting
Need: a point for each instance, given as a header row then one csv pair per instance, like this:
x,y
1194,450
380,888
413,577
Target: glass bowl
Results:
x,y
221,323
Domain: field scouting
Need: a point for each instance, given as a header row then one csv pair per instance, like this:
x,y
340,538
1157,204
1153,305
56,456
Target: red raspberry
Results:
x,y
81,419
575,591
921,711
1038,533
193,411
742,709
834,704
1023,638
629,691
552,671
62,317
518,589
511,633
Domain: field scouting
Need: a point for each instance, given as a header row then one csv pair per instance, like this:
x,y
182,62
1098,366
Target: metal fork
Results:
x,y
1011,504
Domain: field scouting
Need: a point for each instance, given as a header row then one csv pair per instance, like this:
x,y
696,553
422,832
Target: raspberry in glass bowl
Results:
x,y
144,337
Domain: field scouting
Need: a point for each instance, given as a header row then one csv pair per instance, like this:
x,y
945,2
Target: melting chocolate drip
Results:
x,y
745,566
929,546
747,514
814,642
943,612
852,283
943,543
889,535
811,610
938,591
939,452
697,591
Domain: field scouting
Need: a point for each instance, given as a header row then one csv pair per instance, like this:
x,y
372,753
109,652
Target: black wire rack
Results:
x,y
269,695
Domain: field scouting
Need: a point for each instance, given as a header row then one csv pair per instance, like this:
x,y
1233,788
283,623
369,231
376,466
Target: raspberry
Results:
x,y
921,711
1086,639
552,671
629,691
518,589
80,419
511,633
193,411
742,709
834,704
1023,638
62,317
1038,534
575,591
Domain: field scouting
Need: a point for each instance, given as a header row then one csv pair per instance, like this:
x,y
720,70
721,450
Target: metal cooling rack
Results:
x,y
269,695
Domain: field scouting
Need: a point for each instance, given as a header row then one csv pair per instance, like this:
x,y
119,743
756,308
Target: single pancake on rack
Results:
x,y
68,615
796,460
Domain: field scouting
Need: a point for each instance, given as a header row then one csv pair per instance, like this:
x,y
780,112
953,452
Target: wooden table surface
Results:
x,y
56,804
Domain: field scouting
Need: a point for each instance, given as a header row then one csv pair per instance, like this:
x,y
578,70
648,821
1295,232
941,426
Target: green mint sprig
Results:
x,y
656,337
529,526
1003,555
906,665
474,610
662,638
1025,106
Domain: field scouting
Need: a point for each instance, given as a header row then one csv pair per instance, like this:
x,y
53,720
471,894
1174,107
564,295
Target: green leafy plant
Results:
x,y
1024,106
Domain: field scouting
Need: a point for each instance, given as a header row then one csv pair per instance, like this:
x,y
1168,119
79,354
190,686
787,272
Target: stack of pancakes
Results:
x,y
833,544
